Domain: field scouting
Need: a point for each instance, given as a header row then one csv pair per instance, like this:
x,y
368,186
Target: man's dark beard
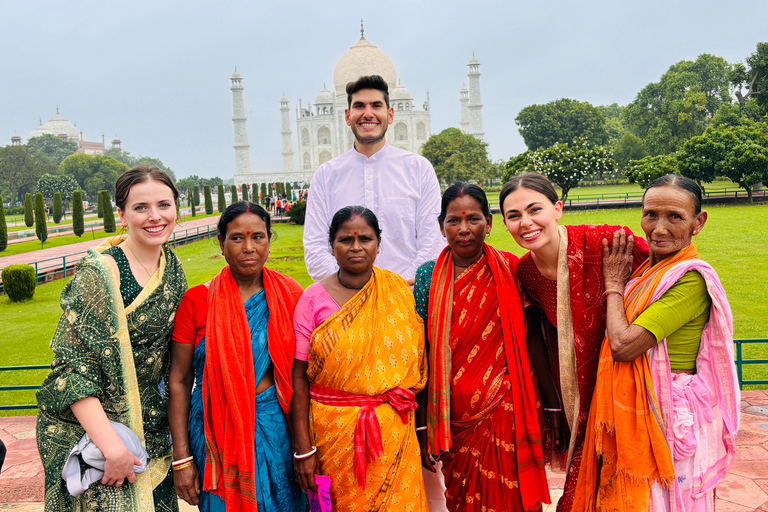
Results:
x,y
371,141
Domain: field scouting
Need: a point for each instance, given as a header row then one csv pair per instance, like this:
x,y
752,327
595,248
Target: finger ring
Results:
x,y
118,484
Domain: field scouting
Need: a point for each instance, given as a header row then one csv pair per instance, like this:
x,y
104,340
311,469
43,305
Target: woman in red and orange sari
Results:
x,y
358,365
481,414
562,276
662,427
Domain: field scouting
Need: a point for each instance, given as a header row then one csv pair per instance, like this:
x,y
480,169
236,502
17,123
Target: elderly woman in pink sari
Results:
x,y
662,426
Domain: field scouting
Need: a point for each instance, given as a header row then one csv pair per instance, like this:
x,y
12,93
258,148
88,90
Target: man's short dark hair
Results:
x,y
368,82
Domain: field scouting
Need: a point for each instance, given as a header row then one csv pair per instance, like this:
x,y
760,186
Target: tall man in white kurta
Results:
x,y
400,187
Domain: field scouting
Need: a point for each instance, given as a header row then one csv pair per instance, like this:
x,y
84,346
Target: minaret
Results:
x,y
15,139
287,146
475,105
242,149
464,99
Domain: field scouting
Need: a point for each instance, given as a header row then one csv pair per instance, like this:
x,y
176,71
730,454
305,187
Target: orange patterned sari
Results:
x,y
481,377
371,346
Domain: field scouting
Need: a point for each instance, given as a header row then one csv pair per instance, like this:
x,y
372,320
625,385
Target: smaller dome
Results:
x,y
284,99
324,96
399,93
473,60
236,74
15,136
116,141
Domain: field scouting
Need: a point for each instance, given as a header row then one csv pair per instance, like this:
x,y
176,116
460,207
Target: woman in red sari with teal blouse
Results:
x,y
482,415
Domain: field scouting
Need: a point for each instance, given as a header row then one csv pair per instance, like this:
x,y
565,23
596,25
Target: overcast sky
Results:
x,y
156,73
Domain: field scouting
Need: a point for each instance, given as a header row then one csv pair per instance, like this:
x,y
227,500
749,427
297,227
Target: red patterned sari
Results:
x,y
577,311
482,406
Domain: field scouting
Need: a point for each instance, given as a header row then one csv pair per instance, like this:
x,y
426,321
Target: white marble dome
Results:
x,y
57,126
324,96
399,93
363,59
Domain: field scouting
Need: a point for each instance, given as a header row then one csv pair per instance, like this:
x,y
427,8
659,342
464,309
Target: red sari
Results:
x,y
482,405
580,265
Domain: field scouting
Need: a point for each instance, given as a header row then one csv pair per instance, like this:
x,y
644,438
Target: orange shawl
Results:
x,y
625,426
229,387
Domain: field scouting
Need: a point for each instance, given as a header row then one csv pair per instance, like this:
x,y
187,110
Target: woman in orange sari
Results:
x,y
662,427
359,363
482,413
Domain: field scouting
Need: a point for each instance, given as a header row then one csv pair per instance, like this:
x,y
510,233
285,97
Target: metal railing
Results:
x,y
740,362
636,197
62,266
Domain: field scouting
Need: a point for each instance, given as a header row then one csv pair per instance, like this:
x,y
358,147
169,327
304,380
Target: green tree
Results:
x,y
263,193
739,153
194,208
196,196
109,214
456,155
94,173
667,113
55,148
754,79
561,121
3,227
185,185
221,198
41,225
57,207
567,164
255,193
100,205
78,215
629,147
208,200
29,218
244,191
49,184
233,190
518,165
288,192
647,169
20,169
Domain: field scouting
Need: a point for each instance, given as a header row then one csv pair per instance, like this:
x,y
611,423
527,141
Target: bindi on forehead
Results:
x,y
463,213
247,232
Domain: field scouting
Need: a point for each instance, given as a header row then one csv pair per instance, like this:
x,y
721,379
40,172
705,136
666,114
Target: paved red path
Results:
x,y
745,489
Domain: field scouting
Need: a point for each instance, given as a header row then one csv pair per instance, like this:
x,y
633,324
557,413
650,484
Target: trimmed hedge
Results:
x,y
19,282
29,219
196,196
78,215
297,212
99,205
208,200
109,215
233,189
3,227
57,207
41,223
221,199
255,193
244,190
263,193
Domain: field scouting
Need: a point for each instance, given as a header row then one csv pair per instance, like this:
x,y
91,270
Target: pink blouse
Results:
x,y
314,308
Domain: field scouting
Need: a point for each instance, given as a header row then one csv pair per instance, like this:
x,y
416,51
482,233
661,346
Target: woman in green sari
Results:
x,y
111,356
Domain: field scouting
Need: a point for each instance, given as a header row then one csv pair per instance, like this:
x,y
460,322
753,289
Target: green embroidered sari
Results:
x,y
121,356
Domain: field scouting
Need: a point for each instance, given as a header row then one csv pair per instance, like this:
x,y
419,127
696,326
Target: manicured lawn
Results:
x,y
733,242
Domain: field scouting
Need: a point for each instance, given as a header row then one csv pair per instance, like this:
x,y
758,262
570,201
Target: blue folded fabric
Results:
x,y
94,459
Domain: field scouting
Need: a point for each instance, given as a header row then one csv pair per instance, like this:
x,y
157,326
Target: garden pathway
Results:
x,y
745,488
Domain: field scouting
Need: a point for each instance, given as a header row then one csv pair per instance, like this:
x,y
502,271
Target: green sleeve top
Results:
x,y
680,316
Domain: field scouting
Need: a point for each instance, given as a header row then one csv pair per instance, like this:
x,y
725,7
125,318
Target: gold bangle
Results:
x,y
182,466
606,292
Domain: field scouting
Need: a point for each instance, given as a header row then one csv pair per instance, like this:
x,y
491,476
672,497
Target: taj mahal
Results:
x,y
322,132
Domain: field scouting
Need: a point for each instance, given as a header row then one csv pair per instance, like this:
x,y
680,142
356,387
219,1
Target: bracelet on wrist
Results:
x,y
606,292
546,409
183,466
419,429
305,455
182,461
